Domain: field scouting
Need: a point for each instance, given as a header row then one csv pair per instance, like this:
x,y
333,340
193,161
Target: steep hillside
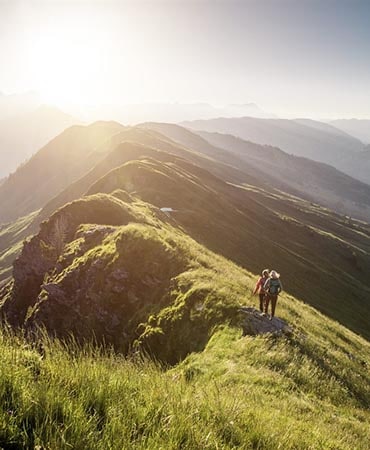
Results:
x,y
356,127
289,135
270,166
112,268
131,143
358,164
313,387
308,179
100,267
12,236
55,166
21,135
254,227
137,143
312,384
326,127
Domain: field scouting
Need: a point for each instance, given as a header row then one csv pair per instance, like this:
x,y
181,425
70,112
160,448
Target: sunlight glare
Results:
x,y
72,67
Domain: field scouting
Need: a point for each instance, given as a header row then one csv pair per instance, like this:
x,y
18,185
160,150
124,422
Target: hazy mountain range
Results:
x,y
356,127
17,104
302,137
23,134
167,112
272,167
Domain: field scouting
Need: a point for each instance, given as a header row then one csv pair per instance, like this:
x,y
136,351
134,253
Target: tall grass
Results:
x,y
240,393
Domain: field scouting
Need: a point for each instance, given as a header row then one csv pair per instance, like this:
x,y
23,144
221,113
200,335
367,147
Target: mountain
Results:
x,y
12,236
300,176
359,128
12,105
250,226
358,164
325,127
154,259
246,110
55,166
76,394
169,112
122,146
302,137
23,134
225,209
306,138
271,166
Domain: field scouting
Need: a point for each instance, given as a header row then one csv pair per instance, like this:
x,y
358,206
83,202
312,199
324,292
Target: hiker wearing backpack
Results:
x,y
260,287
273,287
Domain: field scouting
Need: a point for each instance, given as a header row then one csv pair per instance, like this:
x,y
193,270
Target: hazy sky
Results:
x,y
294,58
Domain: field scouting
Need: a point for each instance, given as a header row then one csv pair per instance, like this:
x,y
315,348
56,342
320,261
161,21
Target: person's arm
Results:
x,y
257,286
266,285
281,286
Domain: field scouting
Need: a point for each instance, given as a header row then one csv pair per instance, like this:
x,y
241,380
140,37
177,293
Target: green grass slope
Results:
x,y
255,228
252,226
127,280
136,143
12,236
307,391
120,147
118,272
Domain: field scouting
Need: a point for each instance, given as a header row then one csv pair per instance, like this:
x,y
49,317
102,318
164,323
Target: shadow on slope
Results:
x,y
256,228
119,273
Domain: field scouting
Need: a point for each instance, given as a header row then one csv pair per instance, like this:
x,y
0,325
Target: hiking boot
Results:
x,y
271,317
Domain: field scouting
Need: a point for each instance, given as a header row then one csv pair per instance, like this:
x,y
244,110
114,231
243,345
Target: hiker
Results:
x,y
272,287
260,287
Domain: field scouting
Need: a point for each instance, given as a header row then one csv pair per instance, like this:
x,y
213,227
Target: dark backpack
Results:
x,y
274,286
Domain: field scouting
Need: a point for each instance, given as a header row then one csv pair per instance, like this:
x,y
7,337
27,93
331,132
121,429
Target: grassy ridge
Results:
x,y
254,228
308,391
12,236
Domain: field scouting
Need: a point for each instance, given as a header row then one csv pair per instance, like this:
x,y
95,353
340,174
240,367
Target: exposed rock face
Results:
x,y
103,287
254,323
41,255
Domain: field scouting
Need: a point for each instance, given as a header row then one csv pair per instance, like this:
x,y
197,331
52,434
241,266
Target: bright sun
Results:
x,y
69,60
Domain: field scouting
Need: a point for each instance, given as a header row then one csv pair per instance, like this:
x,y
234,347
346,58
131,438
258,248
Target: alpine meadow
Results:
x,y
184,225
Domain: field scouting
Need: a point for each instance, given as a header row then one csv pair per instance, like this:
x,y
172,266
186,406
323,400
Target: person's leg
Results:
x,y
262,296
273,304
267,301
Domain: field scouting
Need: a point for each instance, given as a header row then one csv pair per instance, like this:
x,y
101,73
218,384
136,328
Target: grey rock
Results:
x,y
254,323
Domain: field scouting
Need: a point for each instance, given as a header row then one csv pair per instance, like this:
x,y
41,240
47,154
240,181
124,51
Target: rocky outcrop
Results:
x,y
254,323
119,273
45,253
106,287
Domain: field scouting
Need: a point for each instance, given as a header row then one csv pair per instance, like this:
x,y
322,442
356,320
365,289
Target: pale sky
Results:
x,y
294,58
